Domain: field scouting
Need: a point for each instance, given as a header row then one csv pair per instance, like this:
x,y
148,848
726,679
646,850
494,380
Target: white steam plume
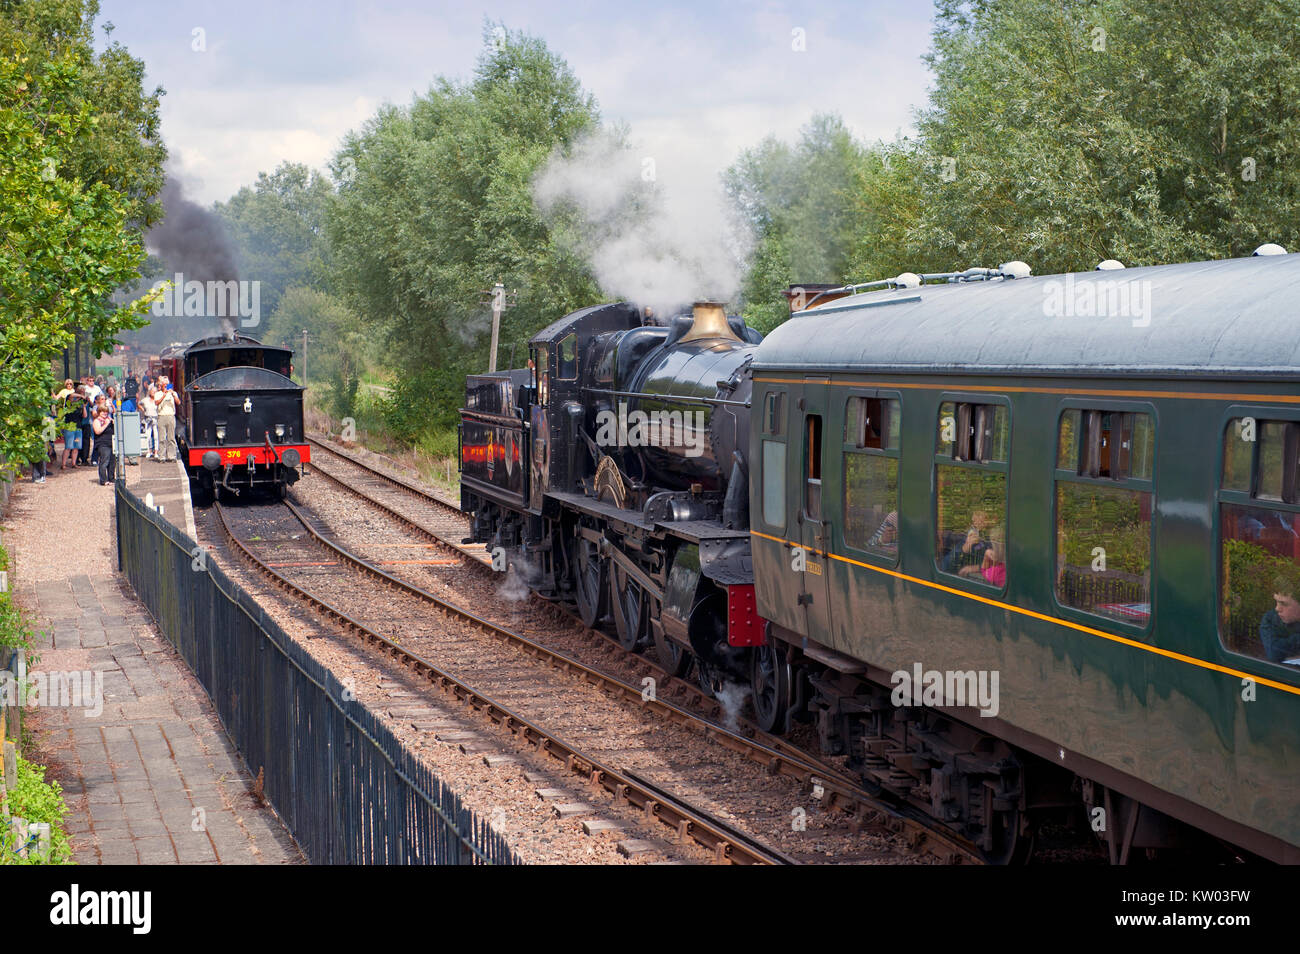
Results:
x,y
654,230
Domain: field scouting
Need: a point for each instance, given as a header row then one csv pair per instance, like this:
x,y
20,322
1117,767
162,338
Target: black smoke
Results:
x,y
191,239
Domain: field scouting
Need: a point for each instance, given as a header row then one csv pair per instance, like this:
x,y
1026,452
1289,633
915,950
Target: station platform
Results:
x,y
150,778
170,487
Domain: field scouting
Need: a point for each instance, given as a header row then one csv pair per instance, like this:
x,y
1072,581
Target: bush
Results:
x,y
14,631
35,800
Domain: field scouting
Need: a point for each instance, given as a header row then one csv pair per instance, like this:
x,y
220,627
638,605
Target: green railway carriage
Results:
x,y
1086,487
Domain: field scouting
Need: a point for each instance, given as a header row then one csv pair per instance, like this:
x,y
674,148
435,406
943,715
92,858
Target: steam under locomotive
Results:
x,y
913,478
240,424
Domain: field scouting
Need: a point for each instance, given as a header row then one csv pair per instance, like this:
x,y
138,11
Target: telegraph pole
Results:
x,y
501,300
498,303
304,357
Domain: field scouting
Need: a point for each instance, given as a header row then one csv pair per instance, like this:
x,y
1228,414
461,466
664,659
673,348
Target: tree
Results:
x,y
278,228
801,203
65,243
1063,132
337,343
435,204
121,146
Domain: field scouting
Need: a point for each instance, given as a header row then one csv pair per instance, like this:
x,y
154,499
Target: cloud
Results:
x,y
287,81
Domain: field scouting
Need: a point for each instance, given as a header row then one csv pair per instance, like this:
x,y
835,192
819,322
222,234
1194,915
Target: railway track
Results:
x,y
301,553
405,502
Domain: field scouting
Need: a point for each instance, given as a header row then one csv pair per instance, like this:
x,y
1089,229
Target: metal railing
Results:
x,y
348,789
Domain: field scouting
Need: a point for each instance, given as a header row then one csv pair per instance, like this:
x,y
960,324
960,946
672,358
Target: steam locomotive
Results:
x,y
239,426
1004,541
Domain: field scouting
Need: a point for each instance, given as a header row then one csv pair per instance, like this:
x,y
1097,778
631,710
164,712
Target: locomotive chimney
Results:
x,y
709,320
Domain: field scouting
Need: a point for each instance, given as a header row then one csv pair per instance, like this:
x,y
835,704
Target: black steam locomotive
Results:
x,y
616,467
240,424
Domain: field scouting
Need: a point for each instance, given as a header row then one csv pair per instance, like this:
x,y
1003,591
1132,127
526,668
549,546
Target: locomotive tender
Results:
x,y
240,423
1081,492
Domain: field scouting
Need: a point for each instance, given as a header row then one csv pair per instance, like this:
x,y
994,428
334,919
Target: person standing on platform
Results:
x,y
104,445
73,408
149,420
166,401
87,431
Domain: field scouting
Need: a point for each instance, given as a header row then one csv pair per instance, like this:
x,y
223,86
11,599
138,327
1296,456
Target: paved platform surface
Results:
x,y
170,488
152,778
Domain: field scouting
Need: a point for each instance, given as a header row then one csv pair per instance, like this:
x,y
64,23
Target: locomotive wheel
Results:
x,y
630,608
770,679
706,678
672,656
591,588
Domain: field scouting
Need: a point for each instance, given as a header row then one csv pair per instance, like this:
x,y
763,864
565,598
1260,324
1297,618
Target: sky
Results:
x,y
252,84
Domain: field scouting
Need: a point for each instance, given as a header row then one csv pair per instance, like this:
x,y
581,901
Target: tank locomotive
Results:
x,y
240,421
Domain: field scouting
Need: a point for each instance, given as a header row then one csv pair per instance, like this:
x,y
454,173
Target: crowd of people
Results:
x,y
84,416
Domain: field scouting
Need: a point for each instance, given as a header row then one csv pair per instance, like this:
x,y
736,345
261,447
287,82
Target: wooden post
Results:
x,y
498,305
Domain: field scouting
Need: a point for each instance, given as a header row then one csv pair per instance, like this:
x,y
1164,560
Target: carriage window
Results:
x,y
1103,513
813,483
774,483
774,413
568,363
972,519
973,445
1111,444
871,428
1276,473
1259,527
871,423
973,432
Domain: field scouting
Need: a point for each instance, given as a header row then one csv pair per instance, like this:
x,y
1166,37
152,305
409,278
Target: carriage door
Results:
x,y
540,430
815,527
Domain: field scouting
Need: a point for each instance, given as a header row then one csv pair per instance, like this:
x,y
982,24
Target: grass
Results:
x,y
433,457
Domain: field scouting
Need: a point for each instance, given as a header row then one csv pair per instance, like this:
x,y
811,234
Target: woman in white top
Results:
x,y
149,424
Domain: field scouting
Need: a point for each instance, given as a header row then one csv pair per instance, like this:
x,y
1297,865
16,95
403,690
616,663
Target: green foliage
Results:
x,y
121,145
337,347
14,631
35,800
964,490
435,204
801,202
1091,516
68,241
278,226
1060,132
1090,129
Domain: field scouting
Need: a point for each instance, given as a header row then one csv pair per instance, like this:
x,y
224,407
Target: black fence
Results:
x,y
350,792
